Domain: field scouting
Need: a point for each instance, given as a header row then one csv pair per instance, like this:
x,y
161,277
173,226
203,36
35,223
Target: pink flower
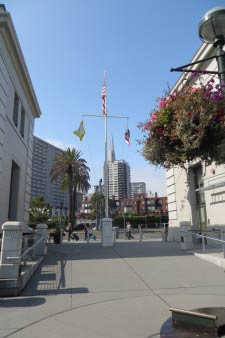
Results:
x,y
153,117
162,103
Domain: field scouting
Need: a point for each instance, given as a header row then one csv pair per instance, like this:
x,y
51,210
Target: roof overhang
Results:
x,y
211,186
9,35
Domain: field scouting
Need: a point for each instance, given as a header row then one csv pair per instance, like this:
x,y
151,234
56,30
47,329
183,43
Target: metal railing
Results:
x,y
203,237
142,233
21,257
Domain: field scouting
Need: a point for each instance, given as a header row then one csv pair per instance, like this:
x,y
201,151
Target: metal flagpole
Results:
x,y
106,183
105,116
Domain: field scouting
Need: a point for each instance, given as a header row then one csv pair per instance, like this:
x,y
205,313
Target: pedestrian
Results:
x,y
128,233
70,230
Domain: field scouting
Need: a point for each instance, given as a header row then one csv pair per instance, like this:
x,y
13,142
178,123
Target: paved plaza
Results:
x,y
120,292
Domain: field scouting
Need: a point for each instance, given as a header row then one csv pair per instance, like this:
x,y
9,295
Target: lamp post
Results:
x,y
212,31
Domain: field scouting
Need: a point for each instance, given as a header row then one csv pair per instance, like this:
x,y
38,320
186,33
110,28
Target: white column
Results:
x,y
107,235
11,247
41,248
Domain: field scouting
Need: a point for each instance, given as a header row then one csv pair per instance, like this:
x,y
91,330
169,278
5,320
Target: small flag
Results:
x,y
80,131
127,137
104,111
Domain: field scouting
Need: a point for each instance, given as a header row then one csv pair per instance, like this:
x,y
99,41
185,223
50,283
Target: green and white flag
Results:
x,y
80,132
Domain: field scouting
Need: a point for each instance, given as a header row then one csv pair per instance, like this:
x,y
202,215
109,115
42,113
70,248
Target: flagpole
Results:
x,y
106,183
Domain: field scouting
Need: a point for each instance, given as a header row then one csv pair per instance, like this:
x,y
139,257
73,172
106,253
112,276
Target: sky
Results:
x,y
68,45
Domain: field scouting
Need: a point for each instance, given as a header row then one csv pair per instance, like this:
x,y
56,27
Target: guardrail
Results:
x,y
203,237
21,257
141,232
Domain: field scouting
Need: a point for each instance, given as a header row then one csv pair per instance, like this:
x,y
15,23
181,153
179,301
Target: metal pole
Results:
x,y
106,185
124,221
220,57
203,243
222,238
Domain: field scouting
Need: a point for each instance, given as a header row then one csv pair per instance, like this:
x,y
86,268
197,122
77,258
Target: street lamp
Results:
x,y
212,31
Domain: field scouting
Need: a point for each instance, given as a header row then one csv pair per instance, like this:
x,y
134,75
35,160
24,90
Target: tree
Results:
x,y
39,210
98,204
72,169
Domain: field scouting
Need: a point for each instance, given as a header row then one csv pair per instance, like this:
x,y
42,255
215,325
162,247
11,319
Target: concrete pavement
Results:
x,y
88,291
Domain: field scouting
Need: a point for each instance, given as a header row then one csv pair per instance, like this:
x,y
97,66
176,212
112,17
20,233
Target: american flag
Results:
x,y
104,111
127,137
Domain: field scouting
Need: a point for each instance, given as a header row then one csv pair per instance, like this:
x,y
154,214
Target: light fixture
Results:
x,y
212,26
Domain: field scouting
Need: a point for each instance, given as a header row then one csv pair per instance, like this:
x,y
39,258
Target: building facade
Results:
x,y
44,155
140,205
18,110
196,195
138,188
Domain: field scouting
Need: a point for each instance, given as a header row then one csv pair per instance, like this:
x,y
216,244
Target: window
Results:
x,y
22,122
16,109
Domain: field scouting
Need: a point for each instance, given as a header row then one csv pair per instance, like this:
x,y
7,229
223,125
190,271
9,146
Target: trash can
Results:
x,y
186,241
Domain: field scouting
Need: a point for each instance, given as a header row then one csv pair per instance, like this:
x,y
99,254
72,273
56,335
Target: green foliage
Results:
x,y
39,211
74,173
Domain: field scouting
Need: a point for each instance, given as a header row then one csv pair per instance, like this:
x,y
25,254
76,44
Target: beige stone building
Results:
x,y
198,197
18,110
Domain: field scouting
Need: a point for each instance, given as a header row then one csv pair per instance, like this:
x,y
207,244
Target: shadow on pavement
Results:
x,y
48,292
22,302
54,276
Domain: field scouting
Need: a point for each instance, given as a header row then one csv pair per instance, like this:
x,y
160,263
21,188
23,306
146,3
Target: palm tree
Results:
x,y
72,169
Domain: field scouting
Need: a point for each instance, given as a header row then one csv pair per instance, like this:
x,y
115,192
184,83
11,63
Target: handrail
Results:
x,y
26,251
214,239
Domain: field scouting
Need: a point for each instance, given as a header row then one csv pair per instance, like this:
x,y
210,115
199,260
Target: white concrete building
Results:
x,y
18,109
204,208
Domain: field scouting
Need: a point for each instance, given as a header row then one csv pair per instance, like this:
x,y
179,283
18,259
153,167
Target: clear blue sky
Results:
x,y
67,46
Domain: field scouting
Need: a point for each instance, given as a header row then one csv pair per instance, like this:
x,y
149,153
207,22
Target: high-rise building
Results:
x,y
44,155
118,175
138,188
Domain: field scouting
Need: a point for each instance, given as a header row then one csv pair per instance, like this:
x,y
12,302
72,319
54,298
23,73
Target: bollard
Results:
x,y
140,234
88,235
107,236
114,234
11,249
222,238
41,248
203,243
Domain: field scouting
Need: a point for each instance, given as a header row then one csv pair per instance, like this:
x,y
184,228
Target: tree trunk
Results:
x,y
70,190
74,203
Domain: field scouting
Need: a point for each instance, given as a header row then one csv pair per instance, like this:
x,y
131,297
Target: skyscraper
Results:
x,y
44,154
138,188
118,175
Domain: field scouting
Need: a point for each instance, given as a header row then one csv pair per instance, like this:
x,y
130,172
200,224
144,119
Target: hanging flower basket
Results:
x,y
187,125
